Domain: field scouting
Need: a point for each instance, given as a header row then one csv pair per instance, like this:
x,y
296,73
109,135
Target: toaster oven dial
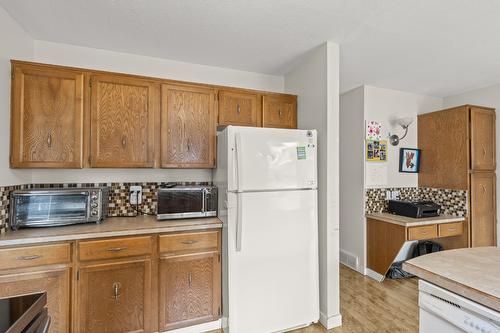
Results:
x,y
94,212
94,205
94,197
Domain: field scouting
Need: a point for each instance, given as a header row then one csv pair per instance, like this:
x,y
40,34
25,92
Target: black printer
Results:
x,y
415,209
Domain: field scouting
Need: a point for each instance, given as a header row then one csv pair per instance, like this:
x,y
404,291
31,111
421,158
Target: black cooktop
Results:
x,y
17,314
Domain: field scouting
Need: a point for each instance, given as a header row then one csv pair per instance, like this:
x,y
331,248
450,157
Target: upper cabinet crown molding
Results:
x,y
66,117
47,117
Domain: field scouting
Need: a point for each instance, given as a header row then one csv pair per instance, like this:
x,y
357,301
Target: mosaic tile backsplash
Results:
x,y
453,202
119,201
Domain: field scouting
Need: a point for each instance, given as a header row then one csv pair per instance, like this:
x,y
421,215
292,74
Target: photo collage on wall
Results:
x,y
375,148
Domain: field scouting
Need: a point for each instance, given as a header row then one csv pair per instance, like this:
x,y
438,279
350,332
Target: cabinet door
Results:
x,y
483,209
279,111
482,139
239,108
47,117
123,122
188,126
115,298
56,283
189,290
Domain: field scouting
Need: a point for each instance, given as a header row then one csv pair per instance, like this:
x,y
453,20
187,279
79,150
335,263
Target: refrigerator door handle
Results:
x,y
239,222
239,164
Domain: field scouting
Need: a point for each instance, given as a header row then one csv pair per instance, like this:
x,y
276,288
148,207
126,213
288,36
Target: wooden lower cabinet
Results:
x,y
115,297
55,282
189,290
483,209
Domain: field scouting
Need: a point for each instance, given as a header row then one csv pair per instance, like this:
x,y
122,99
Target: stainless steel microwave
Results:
x,y
181,201
58,206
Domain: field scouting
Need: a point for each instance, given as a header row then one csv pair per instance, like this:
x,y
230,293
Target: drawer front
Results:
x,y
189,242
422,232
114,248
451,229
21,257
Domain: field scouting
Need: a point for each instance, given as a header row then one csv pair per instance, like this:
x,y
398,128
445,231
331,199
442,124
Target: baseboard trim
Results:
x,y
374,275
205,327
330,322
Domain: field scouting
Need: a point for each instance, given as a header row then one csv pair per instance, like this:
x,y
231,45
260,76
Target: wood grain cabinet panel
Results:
x,y
189,242
279,111
239,108
188,126
444,141
189,290
123,115
114,248
422,232
32,256
47,117
450,229
483,209
115,297
56,283
482,139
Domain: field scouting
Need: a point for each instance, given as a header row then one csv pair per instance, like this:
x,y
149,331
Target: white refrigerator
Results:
x,y
267,181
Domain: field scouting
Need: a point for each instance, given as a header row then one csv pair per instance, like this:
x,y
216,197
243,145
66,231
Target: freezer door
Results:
x,y
274,159
272,261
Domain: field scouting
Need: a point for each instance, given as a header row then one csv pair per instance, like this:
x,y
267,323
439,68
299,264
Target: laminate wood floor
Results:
x,y
368,306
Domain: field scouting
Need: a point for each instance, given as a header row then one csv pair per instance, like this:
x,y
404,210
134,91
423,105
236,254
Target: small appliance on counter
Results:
x,y
50,207
414,209
186,201
22,314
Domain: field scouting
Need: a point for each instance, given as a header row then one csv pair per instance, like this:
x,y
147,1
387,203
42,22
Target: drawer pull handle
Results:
x,y
189,242
116,290
452,229
116,249
238,109
190,279
33,257
424,232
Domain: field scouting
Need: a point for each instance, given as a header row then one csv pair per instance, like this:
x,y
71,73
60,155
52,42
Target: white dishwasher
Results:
x,y
445,312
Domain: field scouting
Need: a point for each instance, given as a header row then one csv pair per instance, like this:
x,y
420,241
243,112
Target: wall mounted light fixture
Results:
x,y
404,123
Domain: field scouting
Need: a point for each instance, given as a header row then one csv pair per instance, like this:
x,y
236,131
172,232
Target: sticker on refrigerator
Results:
x,y
301,153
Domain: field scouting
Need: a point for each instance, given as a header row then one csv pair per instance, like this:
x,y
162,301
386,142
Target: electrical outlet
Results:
x,y
135,195
388,195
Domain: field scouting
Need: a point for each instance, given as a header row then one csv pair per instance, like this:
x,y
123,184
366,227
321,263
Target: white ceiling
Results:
x,y
435,47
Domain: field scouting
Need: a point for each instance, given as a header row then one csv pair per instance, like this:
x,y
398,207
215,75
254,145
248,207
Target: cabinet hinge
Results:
x,y
90,83
12,75
77,275
219,312
219,257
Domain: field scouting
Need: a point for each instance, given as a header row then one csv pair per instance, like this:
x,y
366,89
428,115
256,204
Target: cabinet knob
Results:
x,y
116,290
238,109
280,113
49,140
124,142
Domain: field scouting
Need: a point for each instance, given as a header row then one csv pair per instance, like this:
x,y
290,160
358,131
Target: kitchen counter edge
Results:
x,y
411,222
111,227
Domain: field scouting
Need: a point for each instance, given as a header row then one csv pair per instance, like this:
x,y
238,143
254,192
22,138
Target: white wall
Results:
x,y
316,82
15,44
352,215
70,55
489,96
384,106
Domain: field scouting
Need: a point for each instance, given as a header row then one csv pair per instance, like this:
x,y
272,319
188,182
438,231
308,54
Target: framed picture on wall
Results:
x,y
409,160
376,150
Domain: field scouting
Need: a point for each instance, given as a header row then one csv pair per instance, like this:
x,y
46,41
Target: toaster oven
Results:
x,y
58,206
181,201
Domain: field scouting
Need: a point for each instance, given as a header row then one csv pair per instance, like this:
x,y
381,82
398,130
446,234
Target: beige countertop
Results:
x,y
411,222
473,273
111,227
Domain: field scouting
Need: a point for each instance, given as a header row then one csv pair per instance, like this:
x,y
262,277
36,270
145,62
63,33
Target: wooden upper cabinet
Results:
x,y
444,141
123,115
239,108
47,117
188,126
482,139
483,209
279,111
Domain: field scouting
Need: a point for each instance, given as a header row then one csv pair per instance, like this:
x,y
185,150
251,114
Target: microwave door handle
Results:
x,y
203,200
239,221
